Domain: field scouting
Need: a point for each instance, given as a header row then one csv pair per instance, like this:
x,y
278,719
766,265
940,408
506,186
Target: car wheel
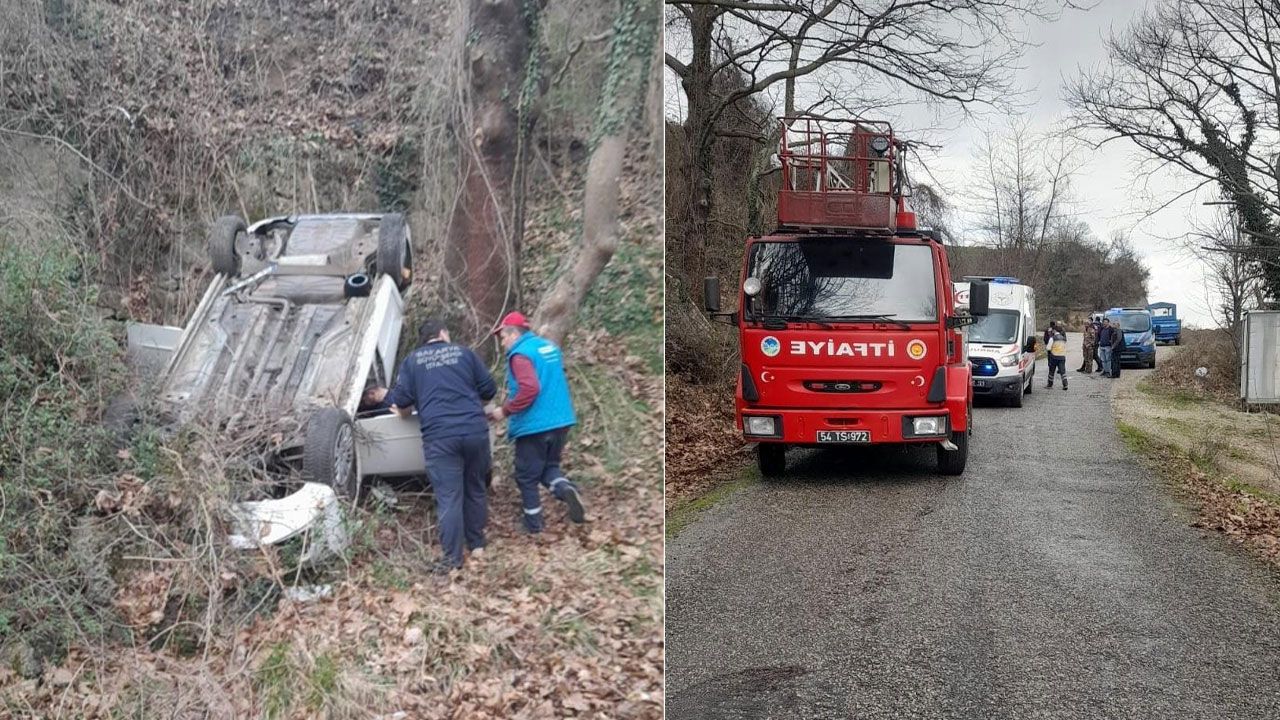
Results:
x,y
222,245
952,462
395,251
329,453
771,458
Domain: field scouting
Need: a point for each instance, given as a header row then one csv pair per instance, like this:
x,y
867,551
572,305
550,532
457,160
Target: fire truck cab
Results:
x,y
848,327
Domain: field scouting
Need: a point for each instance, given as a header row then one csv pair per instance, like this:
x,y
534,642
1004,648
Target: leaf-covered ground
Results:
x,y
703,446
1221,459
565,625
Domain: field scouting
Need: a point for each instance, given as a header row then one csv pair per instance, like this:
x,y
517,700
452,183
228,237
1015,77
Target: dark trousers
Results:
x,y
458,468
538,464
1115,362
1058,363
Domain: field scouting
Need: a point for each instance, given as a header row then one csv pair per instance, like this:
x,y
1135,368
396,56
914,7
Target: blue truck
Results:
x,y
1139,337
1165,322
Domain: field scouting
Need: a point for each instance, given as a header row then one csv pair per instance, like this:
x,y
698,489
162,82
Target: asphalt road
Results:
x,y
1055,579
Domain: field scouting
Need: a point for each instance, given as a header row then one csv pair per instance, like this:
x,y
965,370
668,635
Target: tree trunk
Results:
x,y
624,88
484,232
698,133
559,307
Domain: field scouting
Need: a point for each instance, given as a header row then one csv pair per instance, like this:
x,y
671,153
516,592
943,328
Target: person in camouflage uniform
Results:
x,y
1090,345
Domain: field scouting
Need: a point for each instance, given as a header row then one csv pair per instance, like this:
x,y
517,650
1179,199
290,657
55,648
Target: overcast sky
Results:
x,y
1113,192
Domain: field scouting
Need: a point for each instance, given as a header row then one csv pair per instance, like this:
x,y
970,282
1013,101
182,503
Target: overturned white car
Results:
x,y
304,313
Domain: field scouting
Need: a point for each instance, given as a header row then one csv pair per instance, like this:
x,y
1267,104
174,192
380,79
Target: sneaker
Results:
x,y
1064,387
576,512
441,568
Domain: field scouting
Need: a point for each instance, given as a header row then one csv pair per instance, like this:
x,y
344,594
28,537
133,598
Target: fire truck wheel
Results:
x,y
772,458
952,462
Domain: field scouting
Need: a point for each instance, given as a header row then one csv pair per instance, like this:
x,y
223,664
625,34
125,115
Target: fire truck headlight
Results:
x,y
759,426
880,144
752,286
929,425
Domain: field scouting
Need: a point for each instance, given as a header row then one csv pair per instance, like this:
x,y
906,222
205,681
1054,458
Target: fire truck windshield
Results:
x,y
1000,327
839,278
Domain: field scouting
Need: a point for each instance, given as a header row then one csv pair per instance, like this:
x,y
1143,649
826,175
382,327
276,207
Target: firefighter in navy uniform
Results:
x,y
447,384
539,414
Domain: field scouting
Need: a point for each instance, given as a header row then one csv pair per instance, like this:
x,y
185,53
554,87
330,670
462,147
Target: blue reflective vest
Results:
x,y
553,408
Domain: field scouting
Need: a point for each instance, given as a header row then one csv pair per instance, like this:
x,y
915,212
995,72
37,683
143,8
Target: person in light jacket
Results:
x,y
539,414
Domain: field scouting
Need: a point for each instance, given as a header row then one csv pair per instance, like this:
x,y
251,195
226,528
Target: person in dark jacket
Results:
x,y
539,413
1104,348
1117,345
447,384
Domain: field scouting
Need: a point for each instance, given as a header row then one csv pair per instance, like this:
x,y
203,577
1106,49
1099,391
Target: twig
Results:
x,y
577,47
82,156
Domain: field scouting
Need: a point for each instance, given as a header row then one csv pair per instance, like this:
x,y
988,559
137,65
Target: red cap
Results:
x,y
513,319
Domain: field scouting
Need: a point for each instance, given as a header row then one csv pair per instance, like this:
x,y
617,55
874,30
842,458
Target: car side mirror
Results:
x,y
979,299
711,294
1030,345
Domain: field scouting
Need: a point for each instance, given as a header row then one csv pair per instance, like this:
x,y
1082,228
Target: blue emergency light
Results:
x,y
1004,281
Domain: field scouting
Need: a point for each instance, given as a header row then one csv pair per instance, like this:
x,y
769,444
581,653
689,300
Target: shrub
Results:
x,y
58,365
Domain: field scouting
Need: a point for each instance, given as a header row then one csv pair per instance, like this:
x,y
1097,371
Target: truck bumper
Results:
x,y
1006,386
1137,357
801,427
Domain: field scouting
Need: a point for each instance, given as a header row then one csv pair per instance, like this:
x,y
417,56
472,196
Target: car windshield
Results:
x,y
834,278
1000,327
1133,322
1162,312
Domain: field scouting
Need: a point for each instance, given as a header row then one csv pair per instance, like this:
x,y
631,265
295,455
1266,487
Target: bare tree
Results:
x,y
1195,85
1022,194
958,52
623,92
1233,282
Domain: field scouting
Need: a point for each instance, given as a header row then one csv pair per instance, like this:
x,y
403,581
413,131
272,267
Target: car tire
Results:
x,y
1152,364
771,458
1031,383
395,251
952,462
1016,400
329,453
222,245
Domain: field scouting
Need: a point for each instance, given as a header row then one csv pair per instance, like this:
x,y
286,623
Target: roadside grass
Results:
x,y
685,511
1178,398
1247,514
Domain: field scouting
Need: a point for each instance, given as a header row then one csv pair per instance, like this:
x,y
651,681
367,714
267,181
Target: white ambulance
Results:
x,y
1002,344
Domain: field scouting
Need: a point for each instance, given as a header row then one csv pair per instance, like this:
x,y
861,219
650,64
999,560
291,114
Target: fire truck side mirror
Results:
x,y
711,294
979,299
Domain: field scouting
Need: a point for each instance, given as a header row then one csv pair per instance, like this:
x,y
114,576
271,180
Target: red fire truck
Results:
x,y
847,323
